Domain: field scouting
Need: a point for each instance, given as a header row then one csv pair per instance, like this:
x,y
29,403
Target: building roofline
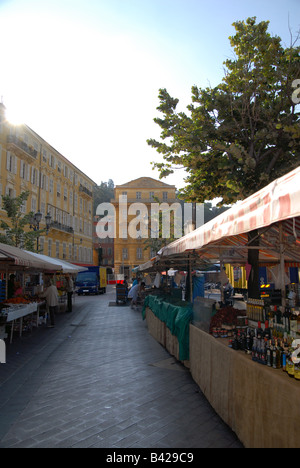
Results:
x,y
58,152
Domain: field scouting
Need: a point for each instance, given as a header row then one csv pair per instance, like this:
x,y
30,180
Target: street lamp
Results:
x,y
35,224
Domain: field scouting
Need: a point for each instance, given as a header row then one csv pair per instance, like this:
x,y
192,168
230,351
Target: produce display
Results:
x,y
22,300
225,321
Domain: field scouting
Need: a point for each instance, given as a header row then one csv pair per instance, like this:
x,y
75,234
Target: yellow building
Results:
x,y
56,186
129,250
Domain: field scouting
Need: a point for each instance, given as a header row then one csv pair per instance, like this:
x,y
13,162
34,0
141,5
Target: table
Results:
x,y
21,311
260,404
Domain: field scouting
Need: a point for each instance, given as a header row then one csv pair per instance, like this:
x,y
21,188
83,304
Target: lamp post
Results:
x,y
35,225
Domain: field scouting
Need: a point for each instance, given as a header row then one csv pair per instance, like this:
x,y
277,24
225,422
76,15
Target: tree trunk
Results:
x,y
253,260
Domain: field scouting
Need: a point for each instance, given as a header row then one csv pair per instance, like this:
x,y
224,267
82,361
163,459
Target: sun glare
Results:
x,y
15,116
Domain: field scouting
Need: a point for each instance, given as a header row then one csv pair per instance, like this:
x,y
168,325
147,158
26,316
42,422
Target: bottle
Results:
x,y
297,371
263,355
254,349
290,366
249,342
267,332
235,343
276,356
269,354
284,355
293,323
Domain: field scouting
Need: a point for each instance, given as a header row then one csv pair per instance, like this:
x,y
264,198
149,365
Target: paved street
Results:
x,y
98,379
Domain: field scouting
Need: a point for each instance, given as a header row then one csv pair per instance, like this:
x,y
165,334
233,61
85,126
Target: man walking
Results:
x,y
51,296
70,287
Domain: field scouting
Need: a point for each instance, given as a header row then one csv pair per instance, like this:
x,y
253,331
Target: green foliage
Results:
x,y
103,193
15,232
243,133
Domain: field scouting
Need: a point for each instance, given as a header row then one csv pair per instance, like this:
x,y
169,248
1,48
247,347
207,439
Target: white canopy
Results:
x,y
23,258
58,264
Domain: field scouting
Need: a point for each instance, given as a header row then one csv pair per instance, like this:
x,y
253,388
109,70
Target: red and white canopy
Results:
x,y
226,235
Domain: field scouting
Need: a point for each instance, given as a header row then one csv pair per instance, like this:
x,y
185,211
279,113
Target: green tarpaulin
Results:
x,y
177,316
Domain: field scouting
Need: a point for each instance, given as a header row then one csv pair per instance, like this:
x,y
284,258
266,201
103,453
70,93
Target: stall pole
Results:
x,y
191,280
282,266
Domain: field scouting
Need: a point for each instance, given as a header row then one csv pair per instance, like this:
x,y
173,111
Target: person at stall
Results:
x,y
18,290
228,292
51,296
11,286
135,282
136,292
70,288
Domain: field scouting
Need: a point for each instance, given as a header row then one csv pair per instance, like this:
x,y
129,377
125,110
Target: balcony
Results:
x,y
20,148
62,227
85,191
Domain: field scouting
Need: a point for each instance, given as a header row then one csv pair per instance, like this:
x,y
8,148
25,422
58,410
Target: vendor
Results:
x,y
228,292
11,286
18,290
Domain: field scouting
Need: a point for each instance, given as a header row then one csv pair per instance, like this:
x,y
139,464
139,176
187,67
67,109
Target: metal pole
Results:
x,y
282,266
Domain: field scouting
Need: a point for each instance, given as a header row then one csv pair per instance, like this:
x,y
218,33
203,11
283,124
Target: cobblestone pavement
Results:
x,y
98,379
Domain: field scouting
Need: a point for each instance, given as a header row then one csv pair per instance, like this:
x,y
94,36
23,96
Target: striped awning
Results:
x,y
276,205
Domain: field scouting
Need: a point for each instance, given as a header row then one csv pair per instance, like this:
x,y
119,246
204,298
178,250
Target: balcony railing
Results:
x,y
85,190
61,227
19,146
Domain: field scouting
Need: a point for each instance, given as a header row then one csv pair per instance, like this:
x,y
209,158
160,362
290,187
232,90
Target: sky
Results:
x,y
85,74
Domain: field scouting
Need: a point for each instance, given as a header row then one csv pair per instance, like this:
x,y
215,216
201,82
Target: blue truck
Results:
x,y
92,281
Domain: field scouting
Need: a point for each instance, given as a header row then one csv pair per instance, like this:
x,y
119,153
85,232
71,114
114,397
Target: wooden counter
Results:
x,y
260,404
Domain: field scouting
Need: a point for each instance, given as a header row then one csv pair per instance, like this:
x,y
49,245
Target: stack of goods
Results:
x,y
269,349
226,321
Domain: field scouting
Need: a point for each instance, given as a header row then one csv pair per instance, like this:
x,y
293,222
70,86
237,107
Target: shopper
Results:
x,y
51,296
70,288
135,293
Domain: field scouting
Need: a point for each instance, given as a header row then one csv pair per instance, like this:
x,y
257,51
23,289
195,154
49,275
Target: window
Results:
x,y
51,160
151,195
49,248
139,253
34,177
125,254
57,249
165,196
138,195
23,207
41,245
11,163
33,204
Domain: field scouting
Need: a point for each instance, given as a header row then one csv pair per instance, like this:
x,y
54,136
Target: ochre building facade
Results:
x,y
129,251
56,186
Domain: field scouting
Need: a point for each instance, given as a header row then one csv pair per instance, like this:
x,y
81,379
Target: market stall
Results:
x,y
239,356
26,272
62,269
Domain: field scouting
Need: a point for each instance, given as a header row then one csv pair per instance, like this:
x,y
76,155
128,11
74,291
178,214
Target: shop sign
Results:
x,y
2,352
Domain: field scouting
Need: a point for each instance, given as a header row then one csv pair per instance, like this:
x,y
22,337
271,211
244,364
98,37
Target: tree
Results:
x,y
103,193
242,134
15,233
245,132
